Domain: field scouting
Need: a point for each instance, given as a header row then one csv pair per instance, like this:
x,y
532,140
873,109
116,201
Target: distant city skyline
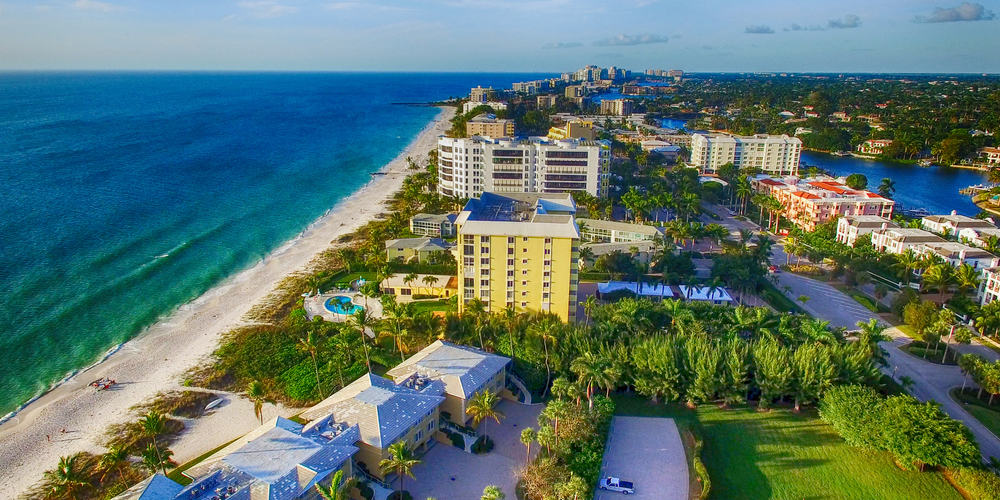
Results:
x,y
926,36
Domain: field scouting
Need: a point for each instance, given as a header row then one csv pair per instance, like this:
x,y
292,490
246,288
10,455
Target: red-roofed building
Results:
x,y
807,204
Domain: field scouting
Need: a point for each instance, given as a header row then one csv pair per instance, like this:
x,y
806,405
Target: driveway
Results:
x,y
648,452
448,472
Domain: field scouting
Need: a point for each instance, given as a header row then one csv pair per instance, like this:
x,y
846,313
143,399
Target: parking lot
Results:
x,y
649,453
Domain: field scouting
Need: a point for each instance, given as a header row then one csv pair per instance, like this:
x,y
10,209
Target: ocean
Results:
x,y
126,195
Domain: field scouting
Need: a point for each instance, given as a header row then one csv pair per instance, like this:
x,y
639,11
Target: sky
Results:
x,y
920,36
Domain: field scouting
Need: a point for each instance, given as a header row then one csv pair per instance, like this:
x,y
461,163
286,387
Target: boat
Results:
x,y
213,404
916,212
925,163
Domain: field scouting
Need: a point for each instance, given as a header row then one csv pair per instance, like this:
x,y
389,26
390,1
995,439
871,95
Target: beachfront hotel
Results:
x,y
468,167
807,203
770,154
519,251
350,431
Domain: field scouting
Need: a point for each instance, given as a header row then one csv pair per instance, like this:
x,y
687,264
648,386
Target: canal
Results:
x,y
933,188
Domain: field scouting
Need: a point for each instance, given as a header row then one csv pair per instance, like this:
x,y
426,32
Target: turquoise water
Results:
x,y
933,188
341,304
125,195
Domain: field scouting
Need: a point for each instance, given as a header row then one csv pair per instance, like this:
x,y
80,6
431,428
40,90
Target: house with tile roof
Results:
x,y
810,202
464,371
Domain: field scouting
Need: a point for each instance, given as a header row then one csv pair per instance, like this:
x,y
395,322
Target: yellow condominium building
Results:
x,y
519,251
578,129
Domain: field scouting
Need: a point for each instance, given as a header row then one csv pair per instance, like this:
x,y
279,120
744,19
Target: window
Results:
x,y
484,283
469,261
485,261
420,434
510,240
430,425
510,274
484,239
484,250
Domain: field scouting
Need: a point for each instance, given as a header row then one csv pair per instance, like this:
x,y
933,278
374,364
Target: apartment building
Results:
x,y
574,91
990,155
468,167
874,146
990,289
897,240
807,203
489,126
433,225
519,251
616,107
480,95
850,227
770,154
495,105
953,223
546,101
609,231
576,129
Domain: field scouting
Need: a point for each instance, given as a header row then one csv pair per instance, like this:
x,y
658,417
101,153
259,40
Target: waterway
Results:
x,y
934,188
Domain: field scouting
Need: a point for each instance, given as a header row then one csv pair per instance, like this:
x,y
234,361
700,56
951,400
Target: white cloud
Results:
x,y
94,5
848,21
267,9
625,40
965,12
759,29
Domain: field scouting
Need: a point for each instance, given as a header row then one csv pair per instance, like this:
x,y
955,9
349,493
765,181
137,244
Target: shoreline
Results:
x,y
32,437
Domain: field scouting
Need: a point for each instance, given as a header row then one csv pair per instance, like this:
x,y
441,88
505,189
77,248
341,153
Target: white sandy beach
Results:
x,y
156,360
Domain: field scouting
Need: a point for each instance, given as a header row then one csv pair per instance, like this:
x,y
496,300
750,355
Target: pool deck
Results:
x,y
315,305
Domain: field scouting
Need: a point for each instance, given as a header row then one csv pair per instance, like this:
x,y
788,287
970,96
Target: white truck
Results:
x,y
612,483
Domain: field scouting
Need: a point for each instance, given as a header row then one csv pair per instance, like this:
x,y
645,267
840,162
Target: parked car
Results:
x,y
612,483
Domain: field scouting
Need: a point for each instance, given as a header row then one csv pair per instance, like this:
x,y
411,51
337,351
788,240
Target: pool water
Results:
x,y
341,304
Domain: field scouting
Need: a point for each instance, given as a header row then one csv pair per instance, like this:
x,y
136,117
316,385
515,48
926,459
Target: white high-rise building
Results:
x,y
467,167
770,154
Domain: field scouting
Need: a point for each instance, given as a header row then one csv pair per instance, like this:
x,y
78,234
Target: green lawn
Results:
x,y
979,408
918,349
780,454
433,305
347,279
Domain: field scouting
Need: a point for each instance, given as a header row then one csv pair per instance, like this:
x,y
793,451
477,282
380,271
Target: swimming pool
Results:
x,y
341,304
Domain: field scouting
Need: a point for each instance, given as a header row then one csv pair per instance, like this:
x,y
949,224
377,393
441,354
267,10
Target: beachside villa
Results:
x,y
978,236
385,412
433,225
897,240
416,249
350,431
437,285
280,460
464,371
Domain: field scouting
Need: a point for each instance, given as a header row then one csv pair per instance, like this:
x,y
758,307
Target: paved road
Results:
x,y
648,452
932,382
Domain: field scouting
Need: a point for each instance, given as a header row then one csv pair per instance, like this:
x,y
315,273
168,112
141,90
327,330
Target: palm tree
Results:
x,y
409,279
397,317
67,477
156,459
590,371
362,321
909,261
743,192
401,461
939,276
528,436
430,280
114,460
966,278
588,307
887,187
482,406
546,330
338,487
153,424
309,345
586,255
255,392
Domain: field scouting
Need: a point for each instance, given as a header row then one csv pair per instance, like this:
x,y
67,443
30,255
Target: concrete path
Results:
x,y
649,453
448,472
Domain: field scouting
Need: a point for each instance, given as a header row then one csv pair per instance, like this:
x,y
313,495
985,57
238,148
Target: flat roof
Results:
x,y
520,214
463,370
621,226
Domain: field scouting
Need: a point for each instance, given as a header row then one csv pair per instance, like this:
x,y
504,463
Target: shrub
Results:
x,y
854,412
366,491
457,440
190,404
400,495
976,484
482,445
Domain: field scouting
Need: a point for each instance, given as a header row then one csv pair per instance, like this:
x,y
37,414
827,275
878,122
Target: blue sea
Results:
x,y
126,195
